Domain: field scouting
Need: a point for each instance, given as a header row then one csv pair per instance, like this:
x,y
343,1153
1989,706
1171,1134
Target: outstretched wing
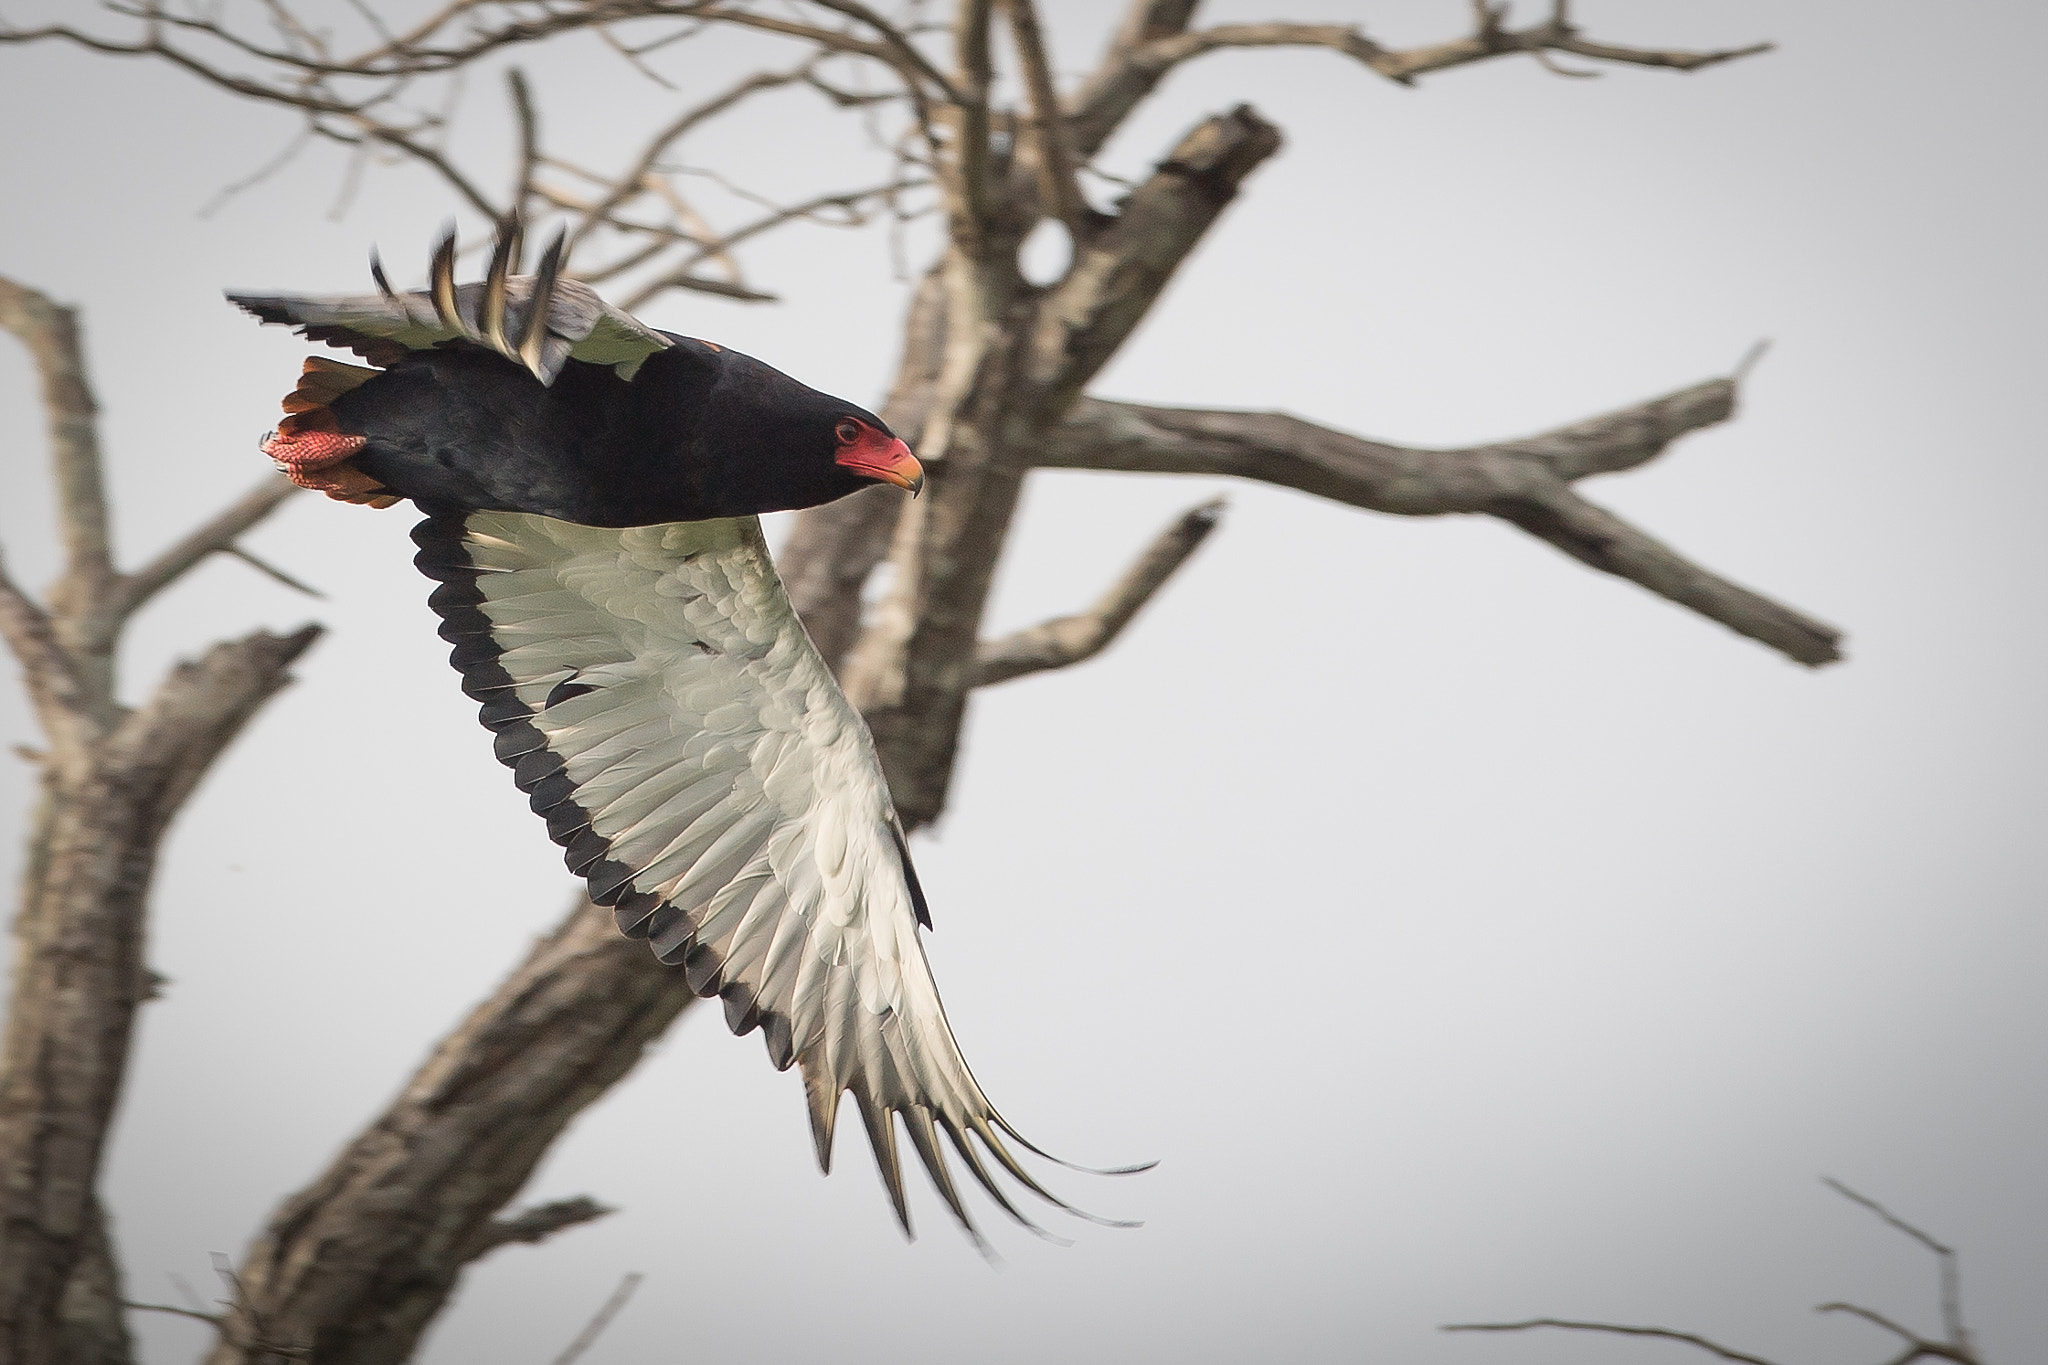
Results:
x,y
655,693
571,323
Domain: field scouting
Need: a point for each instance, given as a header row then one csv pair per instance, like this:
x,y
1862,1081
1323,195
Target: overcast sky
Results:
x,y
1468,934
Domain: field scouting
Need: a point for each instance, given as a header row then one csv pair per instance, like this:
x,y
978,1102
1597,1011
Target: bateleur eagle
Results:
x,y
592,489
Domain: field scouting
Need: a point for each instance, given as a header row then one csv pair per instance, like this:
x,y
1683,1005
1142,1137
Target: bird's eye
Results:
x,y
848,431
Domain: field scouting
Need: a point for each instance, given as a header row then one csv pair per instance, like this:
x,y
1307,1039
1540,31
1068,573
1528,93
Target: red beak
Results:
x,y
884,458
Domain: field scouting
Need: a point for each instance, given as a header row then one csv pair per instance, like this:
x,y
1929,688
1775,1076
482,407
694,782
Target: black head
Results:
x,y
766,443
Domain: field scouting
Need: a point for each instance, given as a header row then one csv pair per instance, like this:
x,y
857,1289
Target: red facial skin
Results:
x,y
877,455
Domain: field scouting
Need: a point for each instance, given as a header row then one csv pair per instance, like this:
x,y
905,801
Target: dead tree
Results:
x,y
112,779
968,121
1955,1344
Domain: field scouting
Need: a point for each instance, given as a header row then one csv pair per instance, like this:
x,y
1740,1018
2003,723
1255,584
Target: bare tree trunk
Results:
x,y
79,973
92,1328
353,1268
113,780
1017,358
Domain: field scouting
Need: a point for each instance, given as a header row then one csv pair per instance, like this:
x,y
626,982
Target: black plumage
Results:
x,y
698,432
530,394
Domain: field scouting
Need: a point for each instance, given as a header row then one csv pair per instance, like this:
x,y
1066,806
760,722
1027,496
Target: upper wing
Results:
x,y
499,312
654,691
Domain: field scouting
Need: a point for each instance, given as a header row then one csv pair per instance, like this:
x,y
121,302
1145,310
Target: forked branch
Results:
x,y
1957,1348
1157,40
216,536
1526,482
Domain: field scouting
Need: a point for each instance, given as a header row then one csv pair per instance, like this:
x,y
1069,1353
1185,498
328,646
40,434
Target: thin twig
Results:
x,y
1951,1273
537,1224
134,589
529,138
260,174
1055,151
273,571
211,1319
629,184
592,1330
1618,1329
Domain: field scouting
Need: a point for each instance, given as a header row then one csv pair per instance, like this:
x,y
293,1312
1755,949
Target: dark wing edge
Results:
x,y
670,932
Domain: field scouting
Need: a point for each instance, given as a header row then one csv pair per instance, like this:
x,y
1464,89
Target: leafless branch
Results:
x,y
1069,640
631,182
1958,1348
270,570
1618,1329
896,41
299,142
211,1319
681,277
1871,1316
425,51
636,57
1891,1219
1526,482
1055,154
50,332
1404,65
354,99
529,139
966,169
1158,40
216,536
539,1223
1950,1271
1119,271
594,1329
368,132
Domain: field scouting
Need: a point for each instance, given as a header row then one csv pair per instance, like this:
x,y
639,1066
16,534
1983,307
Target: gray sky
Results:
x,y
1470,935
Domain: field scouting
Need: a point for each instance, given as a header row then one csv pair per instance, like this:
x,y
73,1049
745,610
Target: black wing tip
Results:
x,y
266,308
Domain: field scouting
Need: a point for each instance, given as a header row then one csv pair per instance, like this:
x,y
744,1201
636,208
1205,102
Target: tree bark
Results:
x,y
353,1268
79,973
1525,482
1017,359
92,1328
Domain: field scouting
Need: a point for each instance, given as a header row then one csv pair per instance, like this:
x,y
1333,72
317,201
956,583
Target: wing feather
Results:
x,y
579,325
658,699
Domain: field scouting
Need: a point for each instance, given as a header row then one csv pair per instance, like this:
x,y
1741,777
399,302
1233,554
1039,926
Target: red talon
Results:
x,y
300,452
310,448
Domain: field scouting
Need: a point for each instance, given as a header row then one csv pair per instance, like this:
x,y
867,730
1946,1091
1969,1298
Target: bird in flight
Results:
x,y
592,490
